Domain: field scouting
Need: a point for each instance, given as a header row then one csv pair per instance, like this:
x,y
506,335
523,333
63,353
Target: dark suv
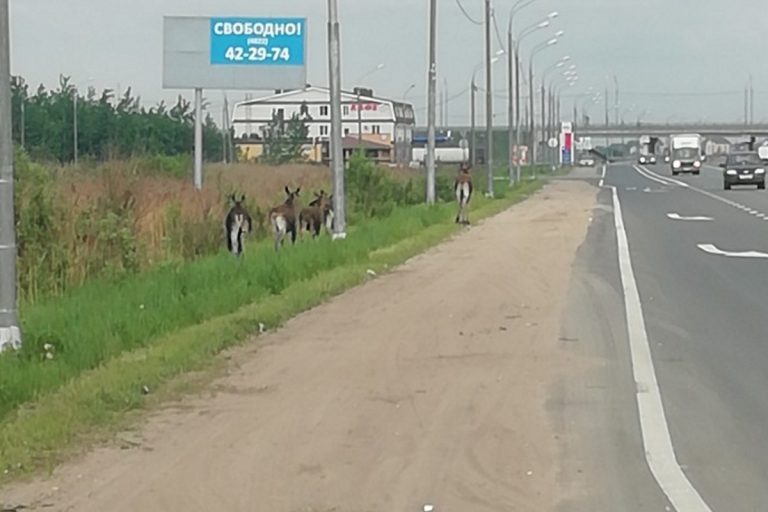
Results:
x,y
743,168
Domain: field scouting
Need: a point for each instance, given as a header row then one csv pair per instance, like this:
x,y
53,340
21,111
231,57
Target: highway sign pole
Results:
x,y
198,138
431,102
336,148
10,334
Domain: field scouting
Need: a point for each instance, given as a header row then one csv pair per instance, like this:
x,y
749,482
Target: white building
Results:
x,y
378,119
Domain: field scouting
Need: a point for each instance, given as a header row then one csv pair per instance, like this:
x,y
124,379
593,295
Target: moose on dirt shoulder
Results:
x,y
462,187
283,218
318,214
236,223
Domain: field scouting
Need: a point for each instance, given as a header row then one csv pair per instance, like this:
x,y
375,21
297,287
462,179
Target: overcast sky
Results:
x,y
673,59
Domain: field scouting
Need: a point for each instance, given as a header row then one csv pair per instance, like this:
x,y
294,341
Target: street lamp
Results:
x,y
409,89
537,49
513,107
473,89
357,106
513,65
548,122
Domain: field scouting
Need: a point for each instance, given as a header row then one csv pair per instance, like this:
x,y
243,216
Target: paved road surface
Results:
x,y
707,321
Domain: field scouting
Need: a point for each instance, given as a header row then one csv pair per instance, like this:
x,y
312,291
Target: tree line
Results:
x,y
108,127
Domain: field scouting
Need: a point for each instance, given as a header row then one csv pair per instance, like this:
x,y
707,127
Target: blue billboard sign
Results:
x,y
257,41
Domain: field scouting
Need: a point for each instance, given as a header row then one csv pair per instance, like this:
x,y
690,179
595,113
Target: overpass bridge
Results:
x,y
634,130
664,130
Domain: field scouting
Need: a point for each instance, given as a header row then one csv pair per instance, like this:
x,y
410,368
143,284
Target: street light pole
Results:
x,y
336,148
513,100
74,125
488,99
472,136
10,334
357,106
431,106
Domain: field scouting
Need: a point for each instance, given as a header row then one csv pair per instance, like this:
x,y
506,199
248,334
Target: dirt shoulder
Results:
x,y
426,385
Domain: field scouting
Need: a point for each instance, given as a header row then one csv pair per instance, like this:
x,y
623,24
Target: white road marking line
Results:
x,y
668,180
602,176
657,179
659,452
712,249
747,209
677,216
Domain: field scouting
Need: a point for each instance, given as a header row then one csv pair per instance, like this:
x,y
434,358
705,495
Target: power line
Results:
x,y
466,14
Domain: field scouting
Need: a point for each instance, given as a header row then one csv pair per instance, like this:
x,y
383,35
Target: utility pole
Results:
x,y
74,124
532,115
335,145
431,107
751,102
488,99
511,72
441,112
223,134
23,122
359,119
607,123
543,119
746,106
10,334
445,103
472,133
228,130
517,113
198,139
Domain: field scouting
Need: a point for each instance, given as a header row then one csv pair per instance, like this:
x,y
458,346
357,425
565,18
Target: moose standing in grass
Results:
x,y
317,214
283,218
462,187
237,222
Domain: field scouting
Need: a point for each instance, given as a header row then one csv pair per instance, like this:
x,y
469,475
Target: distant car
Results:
x,y
666,159
743,168
647,159
586,161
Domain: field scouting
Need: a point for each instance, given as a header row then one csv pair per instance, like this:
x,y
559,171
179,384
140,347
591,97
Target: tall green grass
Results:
x,y
102,319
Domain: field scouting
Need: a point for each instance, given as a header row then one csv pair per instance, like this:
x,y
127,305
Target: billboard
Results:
x,y
234,53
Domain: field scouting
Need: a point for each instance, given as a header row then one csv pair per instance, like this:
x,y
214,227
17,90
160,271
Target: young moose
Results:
x,y
462,187
237,222
283,218
317,214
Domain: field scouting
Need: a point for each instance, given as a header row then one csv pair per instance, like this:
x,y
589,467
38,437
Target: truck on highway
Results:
x,y
685,153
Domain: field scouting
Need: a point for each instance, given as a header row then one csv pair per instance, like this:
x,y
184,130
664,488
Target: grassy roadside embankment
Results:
x,y
157,326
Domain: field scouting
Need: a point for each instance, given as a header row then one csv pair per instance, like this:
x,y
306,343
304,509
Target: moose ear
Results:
x,y
287,191
298,190
242,198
